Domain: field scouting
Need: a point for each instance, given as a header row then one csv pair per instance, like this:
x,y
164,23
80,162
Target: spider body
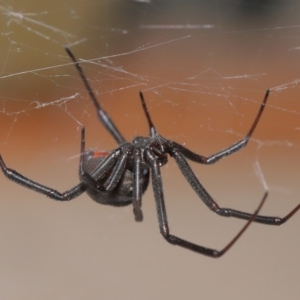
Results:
x,y
122,193
121,176
115,185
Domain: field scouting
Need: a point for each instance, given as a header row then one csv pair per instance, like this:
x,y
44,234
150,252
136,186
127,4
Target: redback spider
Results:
x,y
120,177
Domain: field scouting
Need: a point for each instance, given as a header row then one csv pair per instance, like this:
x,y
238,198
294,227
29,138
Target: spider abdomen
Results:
x,y
122,193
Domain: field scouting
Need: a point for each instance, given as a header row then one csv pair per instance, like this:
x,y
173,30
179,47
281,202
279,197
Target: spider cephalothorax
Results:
x,y
121,176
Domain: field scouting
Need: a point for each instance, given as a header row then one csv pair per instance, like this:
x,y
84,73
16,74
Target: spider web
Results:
x,y
204,67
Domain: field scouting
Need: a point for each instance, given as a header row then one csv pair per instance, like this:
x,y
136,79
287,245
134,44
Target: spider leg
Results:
x,y
82,150
37,187
163,222
230,150
105,166
86,176
118,171
102,115
210,203
115,162
119,168
137,192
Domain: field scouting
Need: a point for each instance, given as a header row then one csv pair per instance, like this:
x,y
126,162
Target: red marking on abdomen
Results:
x,y
100,154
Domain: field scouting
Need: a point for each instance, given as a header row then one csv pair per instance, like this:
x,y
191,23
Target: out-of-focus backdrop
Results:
x,y
204,67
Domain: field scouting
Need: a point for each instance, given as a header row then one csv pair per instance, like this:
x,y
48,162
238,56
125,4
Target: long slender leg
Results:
x,y
118,169
152,129
163,222
102,115
82,150
102,168
37,187
210,203
230,150
88,179
137,192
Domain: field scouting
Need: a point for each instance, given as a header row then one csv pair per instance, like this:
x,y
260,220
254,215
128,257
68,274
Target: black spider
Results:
x,y
120,177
